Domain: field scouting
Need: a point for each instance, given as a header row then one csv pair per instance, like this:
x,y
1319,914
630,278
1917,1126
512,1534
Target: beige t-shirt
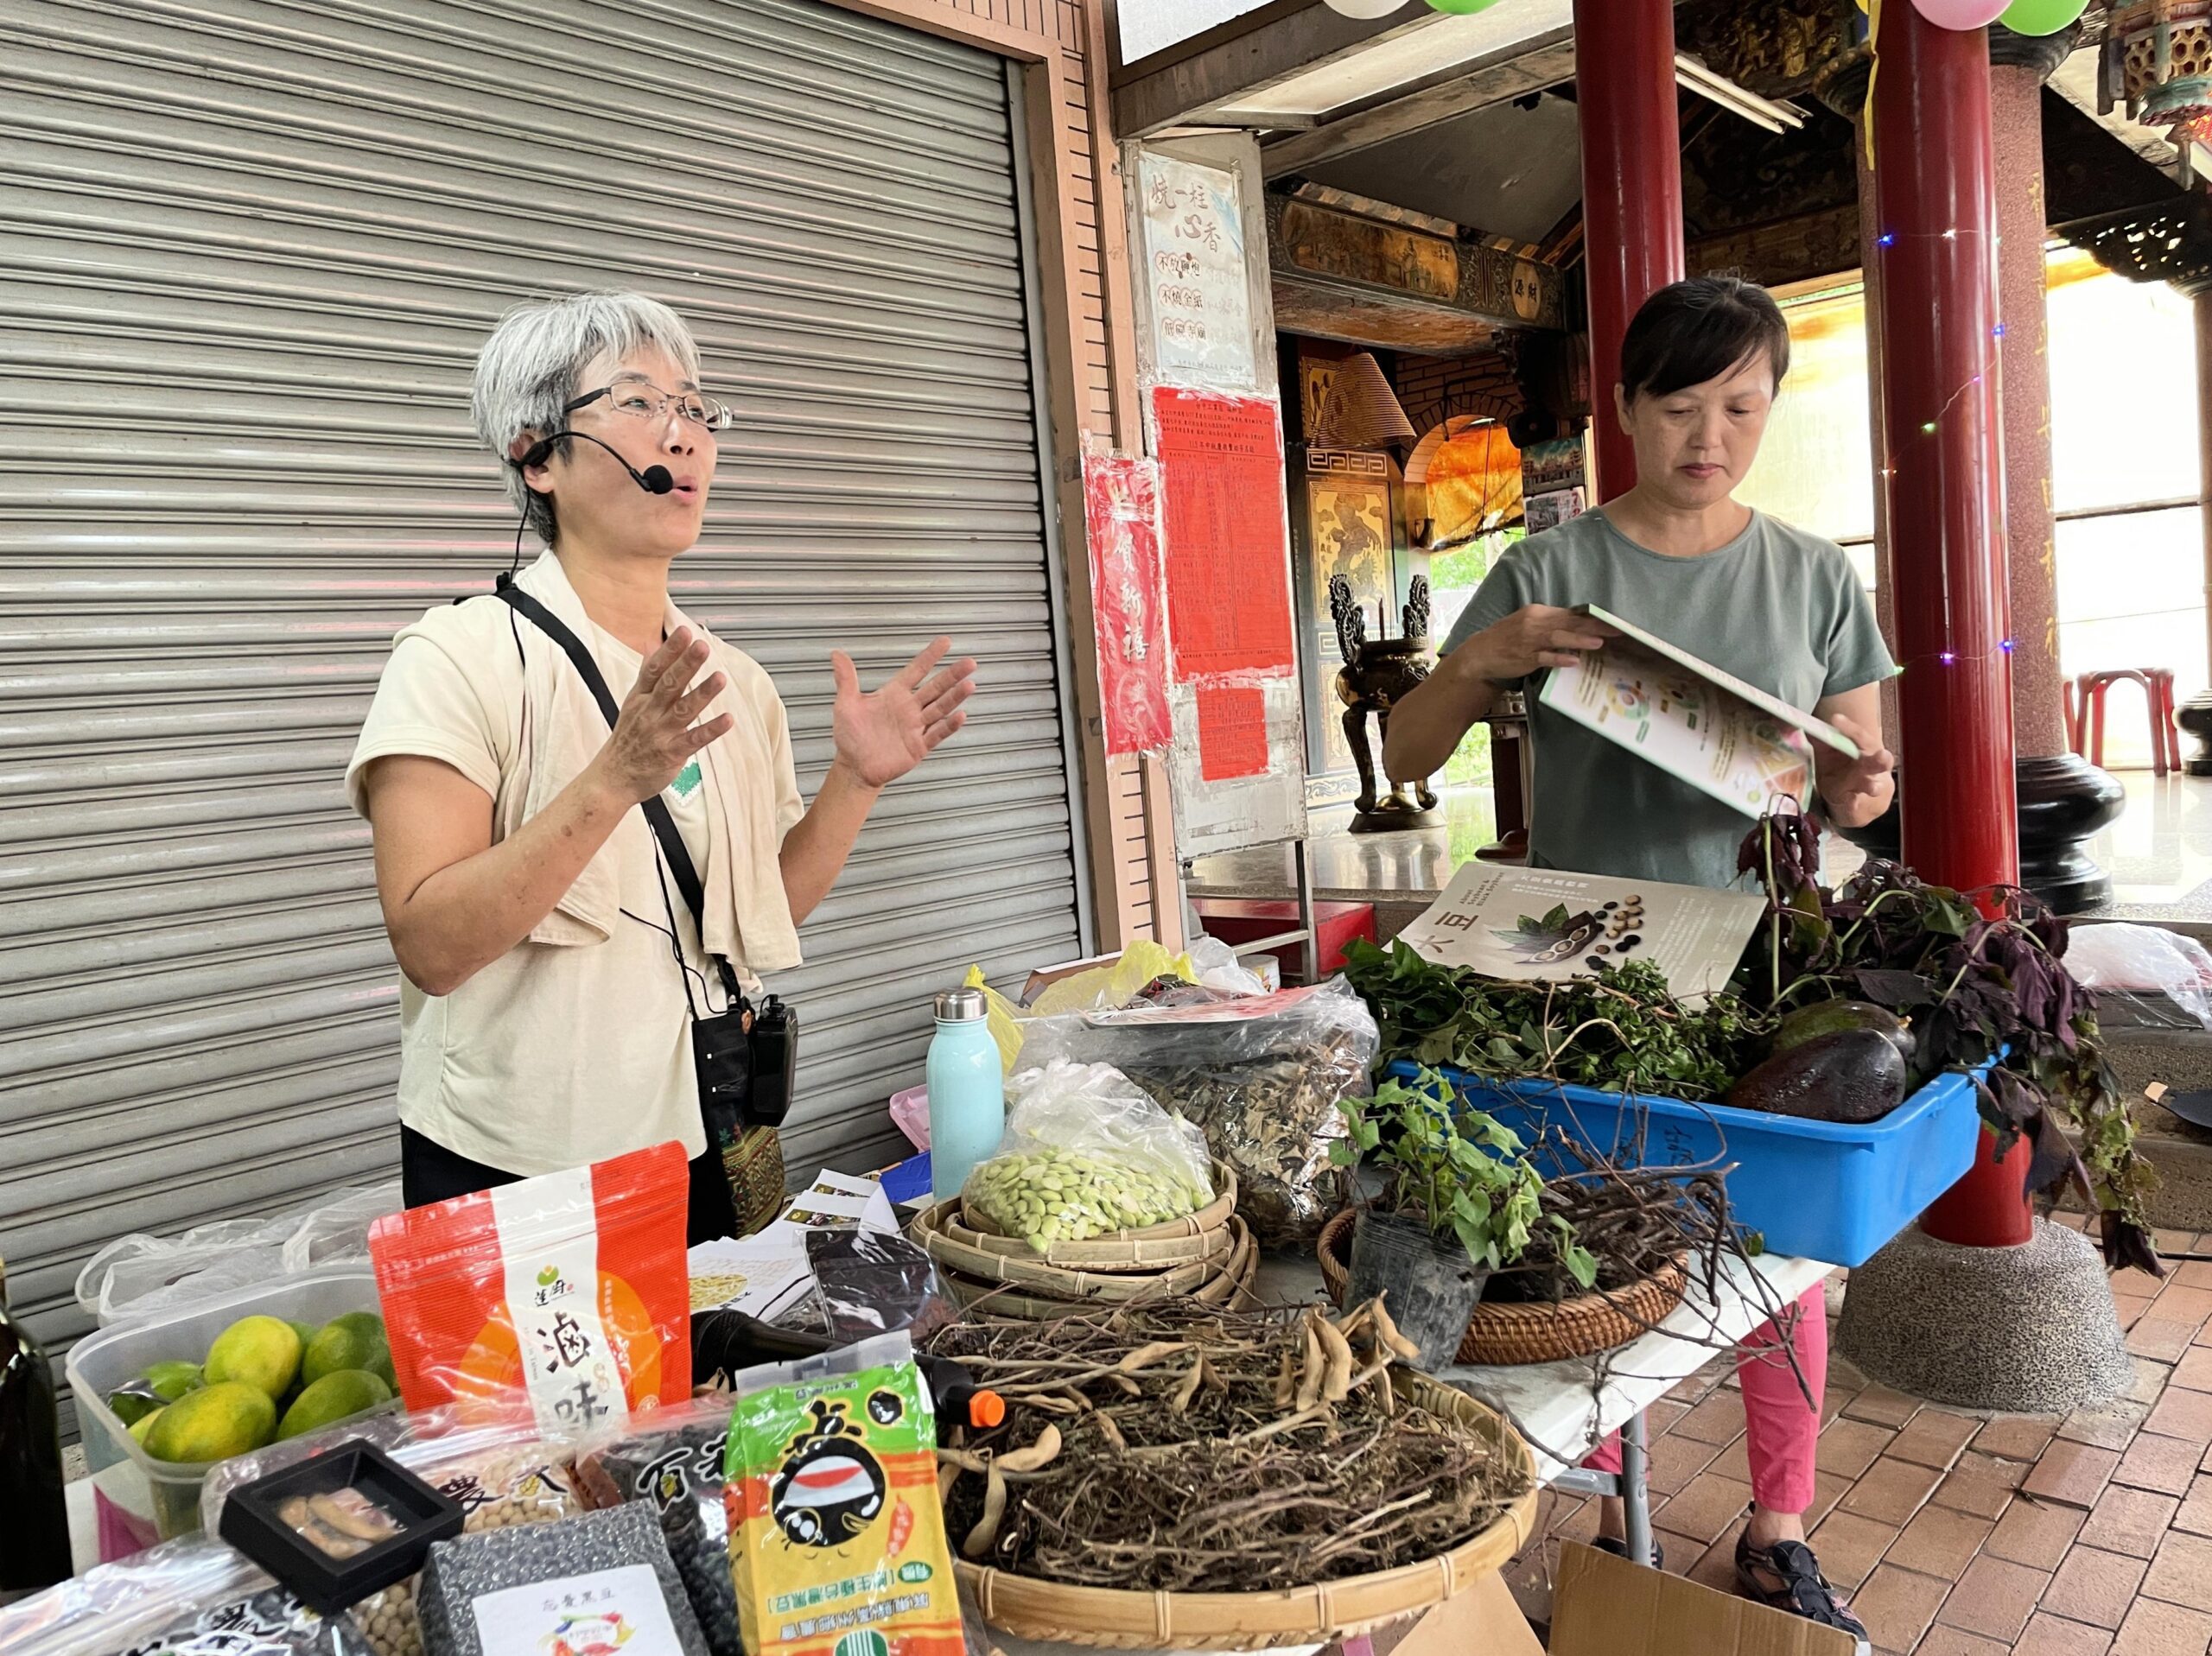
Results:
x,y
686,799
574,1045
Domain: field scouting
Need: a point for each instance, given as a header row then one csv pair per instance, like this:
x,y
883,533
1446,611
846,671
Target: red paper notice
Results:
x,y
1228,555
1121,499
1232,732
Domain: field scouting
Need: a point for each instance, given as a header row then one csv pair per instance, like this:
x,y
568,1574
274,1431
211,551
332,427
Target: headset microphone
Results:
x,y
654,479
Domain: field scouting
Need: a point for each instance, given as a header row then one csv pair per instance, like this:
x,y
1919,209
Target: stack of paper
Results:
x,y
767,1273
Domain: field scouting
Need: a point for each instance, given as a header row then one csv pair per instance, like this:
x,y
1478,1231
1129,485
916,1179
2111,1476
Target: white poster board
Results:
x,y
1547,925
1195,278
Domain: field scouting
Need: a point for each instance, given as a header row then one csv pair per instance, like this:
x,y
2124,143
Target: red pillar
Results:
x,y
1935,201
1631,193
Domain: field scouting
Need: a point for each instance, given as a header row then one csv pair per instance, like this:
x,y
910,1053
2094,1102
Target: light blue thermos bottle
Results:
x,y
967,1087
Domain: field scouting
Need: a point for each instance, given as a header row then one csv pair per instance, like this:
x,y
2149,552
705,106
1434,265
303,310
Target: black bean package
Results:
x,y
672,1462
602,1580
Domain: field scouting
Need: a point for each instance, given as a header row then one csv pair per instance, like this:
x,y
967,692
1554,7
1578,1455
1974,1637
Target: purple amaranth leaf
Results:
x,y
2054,1162
1887,986
2126,1244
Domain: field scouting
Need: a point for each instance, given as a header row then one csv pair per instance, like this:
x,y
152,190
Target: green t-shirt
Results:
x,y
1775,606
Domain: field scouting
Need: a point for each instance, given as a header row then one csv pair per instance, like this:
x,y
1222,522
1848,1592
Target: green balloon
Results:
x,y
2034,16
1469,7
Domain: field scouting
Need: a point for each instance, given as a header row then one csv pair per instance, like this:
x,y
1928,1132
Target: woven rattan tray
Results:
x,y
1116,1252
1107,1619
1504,1335
934,1230
1216,1281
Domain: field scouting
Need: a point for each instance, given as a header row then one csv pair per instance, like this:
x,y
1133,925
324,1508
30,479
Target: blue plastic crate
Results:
x,y
1818,1190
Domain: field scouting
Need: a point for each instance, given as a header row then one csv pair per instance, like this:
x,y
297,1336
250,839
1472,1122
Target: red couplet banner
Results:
x,y
1227,546
1121,499
1232,732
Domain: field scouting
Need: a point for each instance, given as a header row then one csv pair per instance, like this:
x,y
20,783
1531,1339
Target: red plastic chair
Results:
x,y
2085,714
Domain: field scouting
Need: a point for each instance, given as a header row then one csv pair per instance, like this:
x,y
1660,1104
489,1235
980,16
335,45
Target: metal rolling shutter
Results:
x,y
247,250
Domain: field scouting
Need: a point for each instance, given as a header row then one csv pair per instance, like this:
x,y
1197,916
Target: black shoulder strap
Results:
x,y
656,808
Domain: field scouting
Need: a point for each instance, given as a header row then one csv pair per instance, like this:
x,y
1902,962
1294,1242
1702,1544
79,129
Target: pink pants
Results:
x,y
1782,1434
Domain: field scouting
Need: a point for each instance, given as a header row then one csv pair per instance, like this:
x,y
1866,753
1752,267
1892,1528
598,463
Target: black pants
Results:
x,y
429,1172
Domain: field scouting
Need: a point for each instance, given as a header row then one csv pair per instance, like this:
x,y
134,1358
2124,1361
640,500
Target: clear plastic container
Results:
x,y
138,1500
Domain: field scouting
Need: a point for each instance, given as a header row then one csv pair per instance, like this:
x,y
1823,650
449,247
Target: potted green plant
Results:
x,y
1459,1202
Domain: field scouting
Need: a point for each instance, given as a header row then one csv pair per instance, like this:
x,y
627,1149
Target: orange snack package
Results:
x,y
566,1294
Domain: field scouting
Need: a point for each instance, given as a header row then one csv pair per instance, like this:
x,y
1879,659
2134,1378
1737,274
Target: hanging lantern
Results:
x,y
1363,9
2158,60
1350,405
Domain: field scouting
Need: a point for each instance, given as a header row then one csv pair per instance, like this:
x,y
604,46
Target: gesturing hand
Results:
x,y
653,736
882,735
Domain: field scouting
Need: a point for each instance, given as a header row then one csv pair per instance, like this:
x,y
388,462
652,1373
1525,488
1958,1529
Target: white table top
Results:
x,y
1560,1406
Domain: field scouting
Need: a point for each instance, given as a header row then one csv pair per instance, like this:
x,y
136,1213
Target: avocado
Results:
x,y
1832,1017
1853,1076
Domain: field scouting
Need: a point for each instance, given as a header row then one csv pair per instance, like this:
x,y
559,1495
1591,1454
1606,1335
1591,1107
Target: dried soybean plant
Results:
x,y
1633,1217
1178,1447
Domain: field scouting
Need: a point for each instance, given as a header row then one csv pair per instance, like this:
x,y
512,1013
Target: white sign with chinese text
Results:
x,y
620,1609
1548,924
1195,276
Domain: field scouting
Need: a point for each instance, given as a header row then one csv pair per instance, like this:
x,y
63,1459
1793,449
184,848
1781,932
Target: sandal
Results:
x,y
1619,1550
1803,1591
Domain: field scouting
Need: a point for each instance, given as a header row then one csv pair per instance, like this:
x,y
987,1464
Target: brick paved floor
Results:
x,y
1961,1534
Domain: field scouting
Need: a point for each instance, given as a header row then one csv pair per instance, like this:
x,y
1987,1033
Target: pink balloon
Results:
x,y
1960,14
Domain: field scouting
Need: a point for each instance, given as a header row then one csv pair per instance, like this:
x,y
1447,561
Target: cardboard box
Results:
x,y
1046,976
1482,1622
1603,1606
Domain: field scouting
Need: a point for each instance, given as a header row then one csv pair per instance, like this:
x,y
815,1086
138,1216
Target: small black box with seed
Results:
x,y
347,1523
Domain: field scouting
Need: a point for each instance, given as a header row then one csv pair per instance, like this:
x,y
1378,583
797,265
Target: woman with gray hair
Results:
x,y
550,979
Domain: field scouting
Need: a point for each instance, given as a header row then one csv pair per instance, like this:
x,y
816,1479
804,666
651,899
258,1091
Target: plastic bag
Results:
x,y
1112,984
1085,1152
1002,1017
674,1460
870,1284
109,1607
567,1293
502,1469
503,1472
1262,1076
833,1509
140,1274
338,1229
180,1598
2143,960
1218,967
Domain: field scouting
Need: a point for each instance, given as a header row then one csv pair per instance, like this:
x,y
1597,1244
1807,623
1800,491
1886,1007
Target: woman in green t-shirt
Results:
x,y
1680,555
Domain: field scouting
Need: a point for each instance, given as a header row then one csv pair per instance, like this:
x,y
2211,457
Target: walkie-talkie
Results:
x,y
775,1056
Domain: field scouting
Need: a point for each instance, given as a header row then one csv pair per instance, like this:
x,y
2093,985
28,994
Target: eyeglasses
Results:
x,y
643,400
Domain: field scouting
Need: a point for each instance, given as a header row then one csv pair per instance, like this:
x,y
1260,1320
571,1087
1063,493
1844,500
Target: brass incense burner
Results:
x,y
1377,673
